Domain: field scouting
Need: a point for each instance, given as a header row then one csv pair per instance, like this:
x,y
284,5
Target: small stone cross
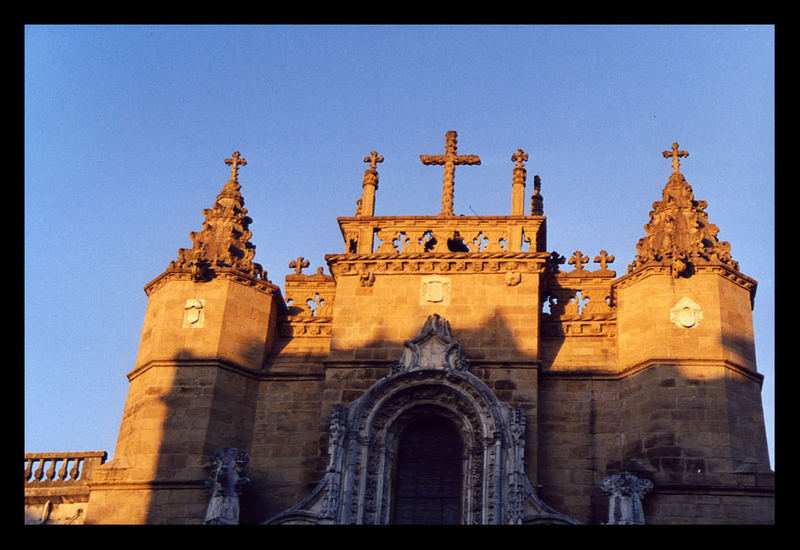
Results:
x,y
604,259
675,154
299,264
373,159
449,159
520,157
234,163
578,259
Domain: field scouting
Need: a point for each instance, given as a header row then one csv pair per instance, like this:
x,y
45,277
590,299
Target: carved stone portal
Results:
x,y
430,380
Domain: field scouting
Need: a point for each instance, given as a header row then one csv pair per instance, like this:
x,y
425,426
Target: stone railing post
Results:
x,y
61,467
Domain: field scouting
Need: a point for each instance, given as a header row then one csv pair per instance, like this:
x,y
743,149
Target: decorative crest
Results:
x,y
449,159
432,348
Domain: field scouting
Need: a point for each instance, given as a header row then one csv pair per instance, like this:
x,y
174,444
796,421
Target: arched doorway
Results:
x,y
429,473
426,413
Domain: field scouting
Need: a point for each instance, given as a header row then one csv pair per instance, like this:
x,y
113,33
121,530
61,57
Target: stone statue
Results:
x,y
626,492
225,482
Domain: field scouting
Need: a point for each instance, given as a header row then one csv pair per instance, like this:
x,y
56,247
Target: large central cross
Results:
x,y
449,160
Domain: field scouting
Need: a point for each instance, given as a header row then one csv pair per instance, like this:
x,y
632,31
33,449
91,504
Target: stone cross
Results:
x,y
449,159
373,159
578,259
604,259
298,265
234,163
675,154
520,157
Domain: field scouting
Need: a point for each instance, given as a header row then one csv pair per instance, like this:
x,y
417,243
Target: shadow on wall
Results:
x,y
664,423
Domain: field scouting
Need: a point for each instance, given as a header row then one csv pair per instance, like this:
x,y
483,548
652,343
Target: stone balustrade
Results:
x,y
438,234
58,468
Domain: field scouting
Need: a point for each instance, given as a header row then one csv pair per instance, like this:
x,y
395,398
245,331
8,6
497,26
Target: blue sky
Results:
x,y
127,128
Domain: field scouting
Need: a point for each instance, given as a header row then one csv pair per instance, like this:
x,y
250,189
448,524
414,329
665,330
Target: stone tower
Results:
x,y
692,410
209,325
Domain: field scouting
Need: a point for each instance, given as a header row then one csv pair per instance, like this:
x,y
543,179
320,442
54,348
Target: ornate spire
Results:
x,y
224,241
679,234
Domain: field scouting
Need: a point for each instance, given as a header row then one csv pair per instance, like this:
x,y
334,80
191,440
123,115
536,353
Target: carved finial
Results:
x,y
298,265
675,154
224,241
450,159
234,163
679,234
537,206
373,159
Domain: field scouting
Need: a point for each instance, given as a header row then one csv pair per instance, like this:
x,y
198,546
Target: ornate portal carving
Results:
x,y
431,379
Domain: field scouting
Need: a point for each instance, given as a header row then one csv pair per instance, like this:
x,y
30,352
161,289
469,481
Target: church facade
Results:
x,y
447,369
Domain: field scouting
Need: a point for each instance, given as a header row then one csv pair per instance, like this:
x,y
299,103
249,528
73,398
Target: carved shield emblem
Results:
x,y
193,313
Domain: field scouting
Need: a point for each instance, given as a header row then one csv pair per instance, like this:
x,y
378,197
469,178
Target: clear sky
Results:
x,y
127,129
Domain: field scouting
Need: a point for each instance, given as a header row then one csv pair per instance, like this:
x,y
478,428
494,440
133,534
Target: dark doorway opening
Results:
x,y
428,481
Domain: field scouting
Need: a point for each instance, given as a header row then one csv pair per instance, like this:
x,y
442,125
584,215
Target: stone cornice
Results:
x,y
664,268
185,274
194,362
437,262
230,366
584,374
